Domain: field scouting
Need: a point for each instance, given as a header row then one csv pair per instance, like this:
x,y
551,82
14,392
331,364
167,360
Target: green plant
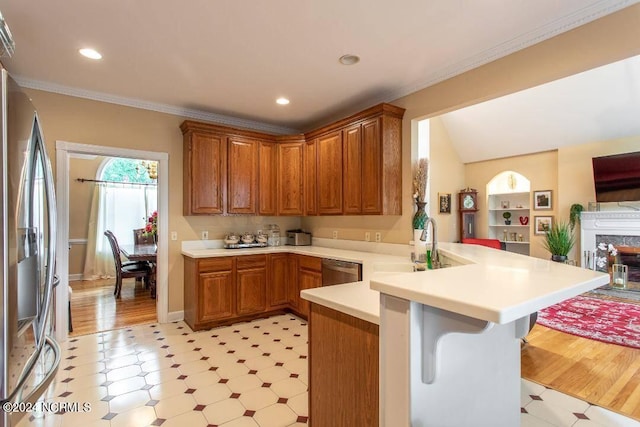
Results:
x,y
559,239
574,214
506,215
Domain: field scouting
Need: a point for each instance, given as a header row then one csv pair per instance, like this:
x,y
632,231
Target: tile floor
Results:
x,y
251,374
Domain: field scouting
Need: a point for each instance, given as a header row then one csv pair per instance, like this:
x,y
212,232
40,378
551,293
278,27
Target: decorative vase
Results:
x,y
155,238
558,258
507,222
420,216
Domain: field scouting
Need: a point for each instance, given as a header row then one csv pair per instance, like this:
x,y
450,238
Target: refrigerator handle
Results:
x,y
51,279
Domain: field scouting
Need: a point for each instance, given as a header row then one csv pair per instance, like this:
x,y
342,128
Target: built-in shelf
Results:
x,y
519,206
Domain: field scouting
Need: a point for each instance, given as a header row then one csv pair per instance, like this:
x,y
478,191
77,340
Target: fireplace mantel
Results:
x,y
610,223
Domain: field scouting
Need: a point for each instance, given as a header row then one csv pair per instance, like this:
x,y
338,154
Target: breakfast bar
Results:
x,y
449,339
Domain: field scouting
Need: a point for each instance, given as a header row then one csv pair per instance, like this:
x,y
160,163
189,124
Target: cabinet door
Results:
x,y
352,161
330,174
277,290
307,279
293,288
290,200
205,166
216,296
310,178
267,179
252,290
372,173
242,180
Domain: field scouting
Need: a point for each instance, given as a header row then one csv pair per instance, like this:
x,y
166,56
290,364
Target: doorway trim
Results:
x,y
63,151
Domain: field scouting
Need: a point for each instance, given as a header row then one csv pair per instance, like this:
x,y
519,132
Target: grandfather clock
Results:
x,y
468,206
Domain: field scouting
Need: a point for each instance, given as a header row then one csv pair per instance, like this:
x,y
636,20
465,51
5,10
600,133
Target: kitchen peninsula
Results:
x,y
448,338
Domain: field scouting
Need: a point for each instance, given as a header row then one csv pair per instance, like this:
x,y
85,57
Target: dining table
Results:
x,y
143,252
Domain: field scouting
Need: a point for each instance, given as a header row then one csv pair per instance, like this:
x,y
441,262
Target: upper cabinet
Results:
x,y
242,176
290,183
350,167
205,158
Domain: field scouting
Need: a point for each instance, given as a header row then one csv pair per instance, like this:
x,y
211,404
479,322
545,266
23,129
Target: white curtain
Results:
x,y
121,209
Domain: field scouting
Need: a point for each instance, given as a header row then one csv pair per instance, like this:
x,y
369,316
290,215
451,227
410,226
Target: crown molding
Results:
x,y
558,26
154,106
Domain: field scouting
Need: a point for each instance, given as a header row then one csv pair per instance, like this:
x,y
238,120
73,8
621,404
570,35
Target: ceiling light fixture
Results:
x,y
90,53
282,101
349,59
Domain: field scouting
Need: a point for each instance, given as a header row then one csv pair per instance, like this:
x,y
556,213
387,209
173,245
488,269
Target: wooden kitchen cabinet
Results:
x,y
278,289
329,173
343,370
310,178
204,180
352,160
309,277
242,176
251,280
268,178
209,293
290,185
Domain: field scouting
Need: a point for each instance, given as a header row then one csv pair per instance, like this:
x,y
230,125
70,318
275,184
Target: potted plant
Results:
x,y
574,214
507,218
559,240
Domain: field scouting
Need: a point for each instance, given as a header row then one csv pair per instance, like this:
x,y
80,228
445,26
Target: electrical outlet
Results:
x,y
335,234
378,237
205,235
174,235
367,236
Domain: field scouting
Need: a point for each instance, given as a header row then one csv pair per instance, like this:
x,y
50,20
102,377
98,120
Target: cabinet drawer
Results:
x,y
251,261
215,264
310,263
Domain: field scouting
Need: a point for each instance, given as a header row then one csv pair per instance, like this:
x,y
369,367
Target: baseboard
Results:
x,y
175,316
76,277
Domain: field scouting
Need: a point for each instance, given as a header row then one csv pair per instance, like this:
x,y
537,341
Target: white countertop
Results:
x,y
493,285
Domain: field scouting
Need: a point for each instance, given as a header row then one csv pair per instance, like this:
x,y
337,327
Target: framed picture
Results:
x,y
542,200
542,224
445,202
504,204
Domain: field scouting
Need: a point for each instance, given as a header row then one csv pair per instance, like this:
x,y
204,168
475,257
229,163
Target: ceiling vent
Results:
x,y
7,45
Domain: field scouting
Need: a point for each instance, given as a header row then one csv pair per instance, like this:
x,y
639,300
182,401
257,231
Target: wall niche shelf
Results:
x,y
518,204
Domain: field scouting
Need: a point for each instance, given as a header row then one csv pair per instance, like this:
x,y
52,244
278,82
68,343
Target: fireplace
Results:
x,y
619,229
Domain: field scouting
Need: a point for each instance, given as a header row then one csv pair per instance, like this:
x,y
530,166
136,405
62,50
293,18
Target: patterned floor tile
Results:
x,y
223,411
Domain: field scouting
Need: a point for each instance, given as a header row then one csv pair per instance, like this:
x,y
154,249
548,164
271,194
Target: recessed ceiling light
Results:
x,y
282,101
90,53
349,59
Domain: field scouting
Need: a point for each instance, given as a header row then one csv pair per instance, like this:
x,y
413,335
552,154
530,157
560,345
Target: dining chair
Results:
x,y
128,269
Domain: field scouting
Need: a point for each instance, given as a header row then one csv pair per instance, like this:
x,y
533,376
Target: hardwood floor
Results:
x,y
606,375
94,307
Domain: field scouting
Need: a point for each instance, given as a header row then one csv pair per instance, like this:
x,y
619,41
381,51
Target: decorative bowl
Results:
x,y
231,238
248,238
262,238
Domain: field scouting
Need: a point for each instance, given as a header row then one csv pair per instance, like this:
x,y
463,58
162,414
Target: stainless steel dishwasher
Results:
x,y
335,272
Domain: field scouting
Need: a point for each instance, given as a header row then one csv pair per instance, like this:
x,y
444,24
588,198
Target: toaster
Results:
x,y
298,238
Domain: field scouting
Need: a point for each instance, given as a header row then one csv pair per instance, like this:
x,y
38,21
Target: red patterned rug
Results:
x,y
598,319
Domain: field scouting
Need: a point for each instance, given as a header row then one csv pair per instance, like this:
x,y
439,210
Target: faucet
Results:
x,y
435,260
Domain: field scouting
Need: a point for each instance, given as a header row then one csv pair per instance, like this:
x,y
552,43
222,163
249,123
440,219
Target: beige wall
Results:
x,y
89,122
541,169
575,174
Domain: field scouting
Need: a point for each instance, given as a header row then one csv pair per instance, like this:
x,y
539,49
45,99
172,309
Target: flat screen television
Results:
x,y
617,177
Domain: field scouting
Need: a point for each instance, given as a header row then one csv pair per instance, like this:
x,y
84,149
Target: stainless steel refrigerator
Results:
x,y
29,356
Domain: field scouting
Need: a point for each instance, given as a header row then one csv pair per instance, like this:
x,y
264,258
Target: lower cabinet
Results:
x,y
343,369
251,282
223,290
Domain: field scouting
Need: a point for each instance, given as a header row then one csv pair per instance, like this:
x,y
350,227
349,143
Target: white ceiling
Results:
x,y
228,60
598,105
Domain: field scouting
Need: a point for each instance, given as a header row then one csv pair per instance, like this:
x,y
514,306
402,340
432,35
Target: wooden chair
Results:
x,y
127,269
139,238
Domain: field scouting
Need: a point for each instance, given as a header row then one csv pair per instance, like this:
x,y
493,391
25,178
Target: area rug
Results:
x,y
597,319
